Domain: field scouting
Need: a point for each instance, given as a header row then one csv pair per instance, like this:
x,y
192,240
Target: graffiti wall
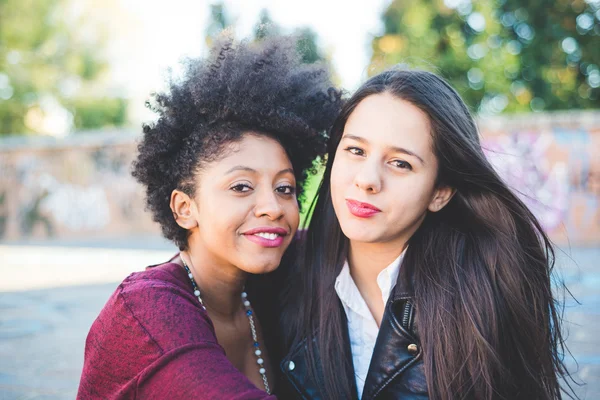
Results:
x,y
68,189
553,163
81,186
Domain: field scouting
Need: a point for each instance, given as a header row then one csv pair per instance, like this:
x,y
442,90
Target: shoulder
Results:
x,y
151,321
160,302
166,274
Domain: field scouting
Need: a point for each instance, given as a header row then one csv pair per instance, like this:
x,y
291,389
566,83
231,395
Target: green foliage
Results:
x,y
265,26
501,55
47,65
95,113
311,190
308,47
219,20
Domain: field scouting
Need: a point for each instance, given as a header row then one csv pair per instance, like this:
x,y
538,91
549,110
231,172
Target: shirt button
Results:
x,y
291,366
413,349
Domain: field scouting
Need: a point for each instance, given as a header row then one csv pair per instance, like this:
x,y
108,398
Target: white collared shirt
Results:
x,y
362,327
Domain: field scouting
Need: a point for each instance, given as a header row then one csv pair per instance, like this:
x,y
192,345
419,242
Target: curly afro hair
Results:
x,y
241,87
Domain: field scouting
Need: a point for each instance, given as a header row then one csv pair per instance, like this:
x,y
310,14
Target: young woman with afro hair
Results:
x,y
223,167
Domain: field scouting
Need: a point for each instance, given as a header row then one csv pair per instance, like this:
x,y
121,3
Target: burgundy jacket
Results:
x,y
153,340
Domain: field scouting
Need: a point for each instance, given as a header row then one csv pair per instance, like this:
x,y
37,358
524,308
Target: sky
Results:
x,y
156,34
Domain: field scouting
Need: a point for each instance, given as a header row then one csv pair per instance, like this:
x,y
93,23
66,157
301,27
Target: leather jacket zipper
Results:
x,y
406,315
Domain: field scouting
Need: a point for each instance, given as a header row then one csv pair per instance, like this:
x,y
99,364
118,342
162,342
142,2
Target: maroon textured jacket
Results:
x,y
153,340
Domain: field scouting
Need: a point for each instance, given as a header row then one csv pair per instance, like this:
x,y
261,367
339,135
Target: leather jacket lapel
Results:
x,y
397,348
295,367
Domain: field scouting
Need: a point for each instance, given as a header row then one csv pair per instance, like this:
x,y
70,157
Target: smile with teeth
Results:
x,y
268,236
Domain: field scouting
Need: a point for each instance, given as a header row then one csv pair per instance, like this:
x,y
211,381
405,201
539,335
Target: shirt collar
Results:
x,y
388,277
349,294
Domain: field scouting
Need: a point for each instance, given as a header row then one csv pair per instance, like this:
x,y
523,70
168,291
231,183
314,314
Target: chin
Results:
x,y
359,234
364,238
263,267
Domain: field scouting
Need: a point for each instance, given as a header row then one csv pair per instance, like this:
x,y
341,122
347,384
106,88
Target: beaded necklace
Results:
x,y
257,352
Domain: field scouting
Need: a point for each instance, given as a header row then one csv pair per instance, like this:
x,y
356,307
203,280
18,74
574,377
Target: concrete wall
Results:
x,y
81,186
69,189
553,162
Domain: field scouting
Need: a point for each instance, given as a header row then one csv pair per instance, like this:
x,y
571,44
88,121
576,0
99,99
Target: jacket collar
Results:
x,y
404,284
389,359
390,355
295,365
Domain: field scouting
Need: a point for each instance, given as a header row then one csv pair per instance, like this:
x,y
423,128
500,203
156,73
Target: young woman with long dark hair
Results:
x,y
424,276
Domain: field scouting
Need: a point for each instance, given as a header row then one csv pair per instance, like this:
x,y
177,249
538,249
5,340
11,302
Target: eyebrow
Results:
x,y
248,169
393,148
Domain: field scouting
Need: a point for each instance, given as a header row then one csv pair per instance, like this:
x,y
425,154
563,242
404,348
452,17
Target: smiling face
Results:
x,y
245,212
384,172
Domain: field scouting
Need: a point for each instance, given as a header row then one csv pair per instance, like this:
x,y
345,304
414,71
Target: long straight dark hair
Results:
x,y
481,267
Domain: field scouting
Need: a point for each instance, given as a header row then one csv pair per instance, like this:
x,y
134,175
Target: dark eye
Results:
x,y
286,189
241,188
355,150
401,164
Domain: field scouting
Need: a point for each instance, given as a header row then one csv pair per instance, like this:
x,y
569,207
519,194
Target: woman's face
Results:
x,y
384,172
245,206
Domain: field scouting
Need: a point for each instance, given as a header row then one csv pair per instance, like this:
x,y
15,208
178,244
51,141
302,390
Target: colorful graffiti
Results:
x,y
556,172
69,191
82,187
520,160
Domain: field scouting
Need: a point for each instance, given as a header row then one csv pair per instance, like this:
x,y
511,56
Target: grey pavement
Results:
x,y
580,269
42,336
43,329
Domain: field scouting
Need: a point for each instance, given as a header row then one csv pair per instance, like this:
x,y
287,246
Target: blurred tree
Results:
x,y
265,26
307,38
308,45
219,20
501,55
95,113
48,59
560,50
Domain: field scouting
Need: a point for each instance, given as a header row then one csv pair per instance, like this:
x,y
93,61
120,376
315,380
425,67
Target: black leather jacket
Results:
x,y
396,370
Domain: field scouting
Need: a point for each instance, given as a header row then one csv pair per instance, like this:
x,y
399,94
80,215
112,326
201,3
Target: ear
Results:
x,y
183,208
441,197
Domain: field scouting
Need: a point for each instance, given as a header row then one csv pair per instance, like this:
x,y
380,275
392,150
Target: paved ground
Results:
x,y
45,314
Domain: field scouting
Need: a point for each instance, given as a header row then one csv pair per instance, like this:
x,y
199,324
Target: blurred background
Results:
x,y
75,76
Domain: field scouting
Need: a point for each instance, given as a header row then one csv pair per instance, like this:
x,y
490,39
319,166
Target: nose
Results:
x,y
368,177
268,205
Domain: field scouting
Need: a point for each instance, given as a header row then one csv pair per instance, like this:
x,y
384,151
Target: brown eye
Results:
x,y
355,150
402,165
286,189
241,188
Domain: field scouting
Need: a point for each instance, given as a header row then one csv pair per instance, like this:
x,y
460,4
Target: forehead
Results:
x,y
383,119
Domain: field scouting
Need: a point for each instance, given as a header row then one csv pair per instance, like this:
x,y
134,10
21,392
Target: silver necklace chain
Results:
x,y
250,314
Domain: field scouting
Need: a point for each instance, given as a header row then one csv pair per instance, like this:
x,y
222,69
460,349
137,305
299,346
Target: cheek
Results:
x,y
341,176
412,197
218,229
221,215
292,213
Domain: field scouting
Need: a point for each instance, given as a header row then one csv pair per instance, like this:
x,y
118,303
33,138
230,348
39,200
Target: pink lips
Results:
x,y
266,236
360,209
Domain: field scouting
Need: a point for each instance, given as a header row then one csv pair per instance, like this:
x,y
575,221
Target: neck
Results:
x,y
367,260
220,286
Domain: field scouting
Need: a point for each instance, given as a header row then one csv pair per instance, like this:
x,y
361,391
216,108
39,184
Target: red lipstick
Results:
x,y
360,209
266,236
